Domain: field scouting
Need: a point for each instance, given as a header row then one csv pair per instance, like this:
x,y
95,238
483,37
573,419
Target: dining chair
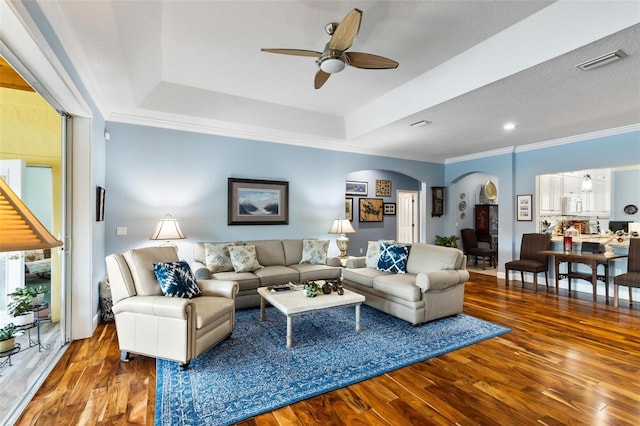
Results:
x,y
530,259
631,278
470,248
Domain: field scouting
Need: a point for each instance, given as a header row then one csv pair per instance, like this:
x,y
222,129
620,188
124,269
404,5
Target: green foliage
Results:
x,y
7,331
450,241
22,298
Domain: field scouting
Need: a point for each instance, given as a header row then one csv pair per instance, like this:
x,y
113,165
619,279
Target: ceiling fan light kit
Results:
x,y
333,58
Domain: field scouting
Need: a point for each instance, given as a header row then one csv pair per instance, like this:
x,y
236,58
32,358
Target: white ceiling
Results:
x,y
466,66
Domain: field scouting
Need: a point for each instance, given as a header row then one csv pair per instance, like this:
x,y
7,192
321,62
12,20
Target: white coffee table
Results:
x,y
295,303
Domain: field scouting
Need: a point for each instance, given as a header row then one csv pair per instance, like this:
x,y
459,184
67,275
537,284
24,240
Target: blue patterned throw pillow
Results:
x,y
393,258
176,279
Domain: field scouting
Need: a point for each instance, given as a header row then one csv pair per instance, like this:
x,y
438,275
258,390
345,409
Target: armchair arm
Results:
x,y
440,280
356,262
220,288
159,306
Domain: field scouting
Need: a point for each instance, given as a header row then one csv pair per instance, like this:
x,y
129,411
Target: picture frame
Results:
x,y
348,208
389,209
352,187
383,188
100,194
371,209
524,207
258,202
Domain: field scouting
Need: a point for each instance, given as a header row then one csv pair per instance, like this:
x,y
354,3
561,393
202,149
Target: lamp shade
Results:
x,y
341,226
167,229
19,227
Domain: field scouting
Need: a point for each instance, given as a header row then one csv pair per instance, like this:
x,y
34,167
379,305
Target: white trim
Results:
x,y
548,143
22,37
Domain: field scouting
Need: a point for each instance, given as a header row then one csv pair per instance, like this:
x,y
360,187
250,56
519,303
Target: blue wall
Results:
x,y
152,172
515,173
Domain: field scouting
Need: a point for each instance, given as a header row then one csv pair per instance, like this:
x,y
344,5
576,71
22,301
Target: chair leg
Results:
x,y
506,277
522,278
535,282
125,356
185,366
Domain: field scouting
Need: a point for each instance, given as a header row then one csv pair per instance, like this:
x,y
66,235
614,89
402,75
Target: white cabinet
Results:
x,y
550,193
598,201
553,187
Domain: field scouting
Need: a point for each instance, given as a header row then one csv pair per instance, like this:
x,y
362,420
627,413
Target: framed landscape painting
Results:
x,y
371,209
352,187
258,202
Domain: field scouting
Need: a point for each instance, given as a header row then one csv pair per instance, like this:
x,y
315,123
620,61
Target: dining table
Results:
x,y
590,259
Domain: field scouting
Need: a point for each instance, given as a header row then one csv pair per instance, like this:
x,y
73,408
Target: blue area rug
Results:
x,y
253,372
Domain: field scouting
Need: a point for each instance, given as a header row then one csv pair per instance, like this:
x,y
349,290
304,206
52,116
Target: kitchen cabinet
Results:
x,y
550,194
597,202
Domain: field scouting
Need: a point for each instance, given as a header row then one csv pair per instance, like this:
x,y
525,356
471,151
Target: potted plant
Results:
x,y
7,340
450,241
21,306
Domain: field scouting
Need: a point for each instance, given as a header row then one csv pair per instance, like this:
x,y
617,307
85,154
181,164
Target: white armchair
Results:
x,y
151,324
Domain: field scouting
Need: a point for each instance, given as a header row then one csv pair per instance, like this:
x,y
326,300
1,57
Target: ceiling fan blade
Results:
x,y
369,61
294,52
347,30
321,78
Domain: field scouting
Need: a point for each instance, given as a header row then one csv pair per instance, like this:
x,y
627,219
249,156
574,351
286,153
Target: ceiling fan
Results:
x,y
334,57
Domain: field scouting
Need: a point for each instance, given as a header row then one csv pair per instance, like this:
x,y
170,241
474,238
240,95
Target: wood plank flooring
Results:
x,y
566,361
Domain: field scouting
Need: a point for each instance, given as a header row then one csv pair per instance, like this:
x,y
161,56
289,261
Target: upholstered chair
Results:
x,y
530,259
470,247
152,324
632,277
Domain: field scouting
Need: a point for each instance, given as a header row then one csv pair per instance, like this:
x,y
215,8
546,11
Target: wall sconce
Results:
x,y
342,226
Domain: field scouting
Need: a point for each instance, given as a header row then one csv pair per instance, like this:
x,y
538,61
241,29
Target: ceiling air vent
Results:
x,y
605,59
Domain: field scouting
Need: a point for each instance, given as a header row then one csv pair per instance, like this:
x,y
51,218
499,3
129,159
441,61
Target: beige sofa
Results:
x,y
431,288
280,260
174,328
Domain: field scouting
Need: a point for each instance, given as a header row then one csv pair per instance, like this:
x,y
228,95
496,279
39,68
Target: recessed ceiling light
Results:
x,y
509,126
420,123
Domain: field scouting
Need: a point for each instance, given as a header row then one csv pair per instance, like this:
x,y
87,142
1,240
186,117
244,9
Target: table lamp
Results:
x,y
342,226
167,229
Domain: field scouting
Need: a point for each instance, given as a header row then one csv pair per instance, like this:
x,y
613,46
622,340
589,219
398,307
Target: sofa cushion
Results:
x,y
314,251
276,274
176,279
217,258
362,276
393,258
245,280
429,257
244,258
398,285
292,251
269,252
141,265
309,272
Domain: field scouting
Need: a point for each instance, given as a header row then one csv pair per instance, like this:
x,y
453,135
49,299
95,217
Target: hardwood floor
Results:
x,y
566,361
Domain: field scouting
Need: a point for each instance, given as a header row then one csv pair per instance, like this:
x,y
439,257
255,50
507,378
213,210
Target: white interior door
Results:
x,y
407,217
11,263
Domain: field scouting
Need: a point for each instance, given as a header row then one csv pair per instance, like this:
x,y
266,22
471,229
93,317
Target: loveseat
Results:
x,y
275,262
431,286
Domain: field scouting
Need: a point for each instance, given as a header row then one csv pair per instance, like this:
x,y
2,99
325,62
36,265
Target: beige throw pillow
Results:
x,y
243,258
217,257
